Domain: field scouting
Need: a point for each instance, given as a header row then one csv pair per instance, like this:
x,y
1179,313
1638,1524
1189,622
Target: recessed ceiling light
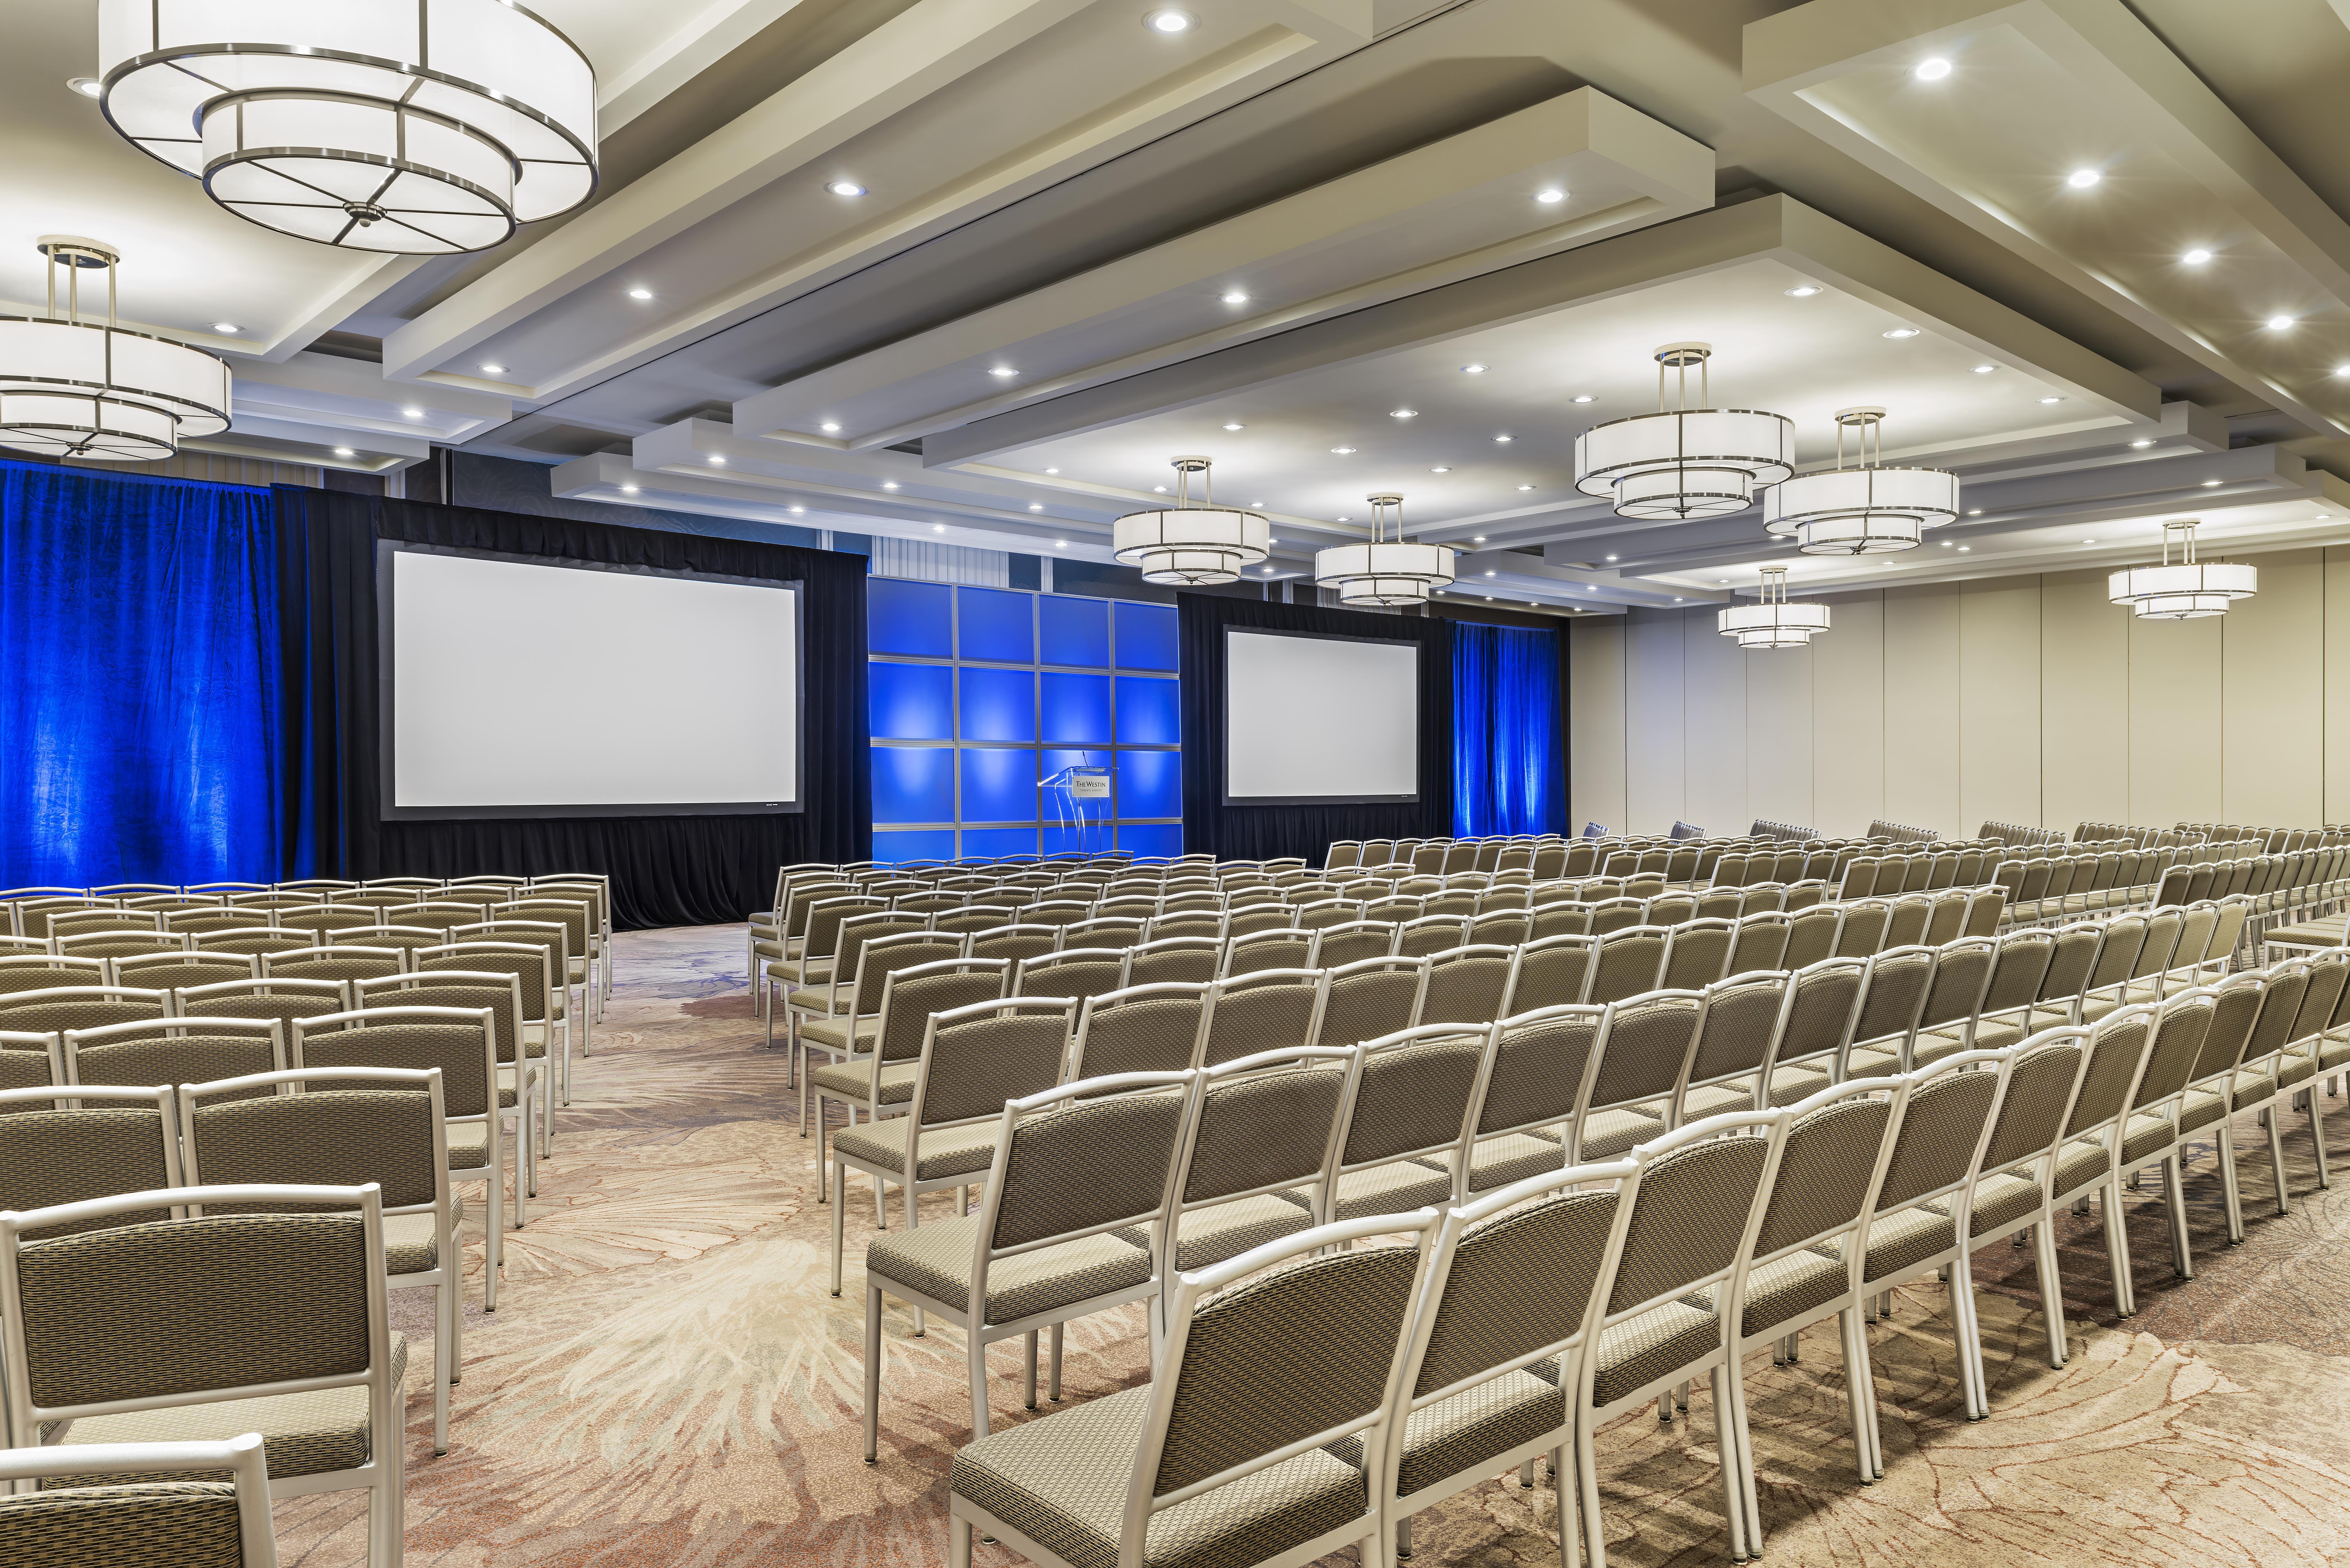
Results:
x,y
1472,369
1235,296
1003,371
1974,511
1270,541
1052,471
226,326
1581,398
2210,483
1551,197
1235,425
412,413
1984,369
89,87
641,294
494,370
1060,544
627,490
889,484
938,528
1439,469
1963,549
1502,438
1525,487
830,427
1345,519
1803,291
1676,599
1342,451
2142,442
1948,543
2052,399
716,460
2088,541
1171,20
845,188
2197,256
2082,178
799,511
1035,507
2278,323
1931,71
1611,557
345,451
1489,573
1159,489
1902,332
1477,539
1403,413
1256,503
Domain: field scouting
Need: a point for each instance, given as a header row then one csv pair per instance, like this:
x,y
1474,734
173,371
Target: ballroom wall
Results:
x,y
2026,698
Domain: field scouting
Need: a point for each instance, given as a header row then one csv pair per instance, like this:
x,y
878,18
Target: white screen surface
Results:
x,y
1317,717
518,686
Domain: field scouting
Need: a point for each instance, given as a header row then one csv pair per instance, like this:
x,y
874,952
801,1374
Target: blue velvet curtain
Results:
x,y
140,731
1508,767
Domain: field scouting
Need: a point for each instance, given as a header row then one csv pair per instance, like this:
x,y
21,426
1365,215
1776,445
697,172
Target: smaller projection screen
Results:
x,y
1315,719
513,686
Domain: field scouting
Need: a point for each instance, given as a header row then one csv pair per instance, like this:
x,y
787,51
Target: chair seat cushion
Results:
x,y
1460,1433
1610,1133
410,1244
1512,1157
835,1034
1061,1481
302,1434
965,1150
1394,1189
468,1145
1210,1235
2334,1049
2149,1136
2297,1066
2004,1200
2081,1163
1714,1099
1655,1345
2254,1086
934,1260
1790,1286
1789,1084
853,1080
1905,1238
1873,1061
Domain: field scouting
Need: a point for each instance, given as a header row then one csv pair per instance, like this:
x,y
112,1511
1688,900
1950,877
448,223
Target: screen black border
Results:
x,y
1419,653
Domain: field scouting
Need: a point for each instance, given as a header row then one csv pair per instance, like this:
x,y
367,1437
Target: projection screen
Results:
x,y
1316,719
522,686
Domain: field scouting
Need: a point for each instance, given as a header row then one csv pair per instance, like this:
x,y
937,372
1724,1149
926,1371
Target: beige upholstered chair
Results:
x,y
2122,1046
879,1080
282,998
337,962
1268,1010
1371,998
174,1357
1173,958
106,1141
525,1086
1156,1028
46,971
1415,1115
173,1051
1535,1090
149,1514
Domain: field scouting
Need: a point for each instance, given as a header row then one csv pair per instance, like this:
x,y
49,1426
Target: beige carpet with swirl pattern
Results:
x,y
666,1380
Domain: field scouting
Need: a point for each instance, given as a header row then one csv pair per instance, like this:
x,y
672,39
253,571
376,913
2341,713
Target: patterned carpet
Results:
x,y
667,1381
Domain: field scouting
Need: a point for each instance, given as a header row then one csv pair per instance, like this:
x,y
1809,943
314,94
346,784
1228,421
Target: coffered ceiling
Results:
x,y
2093,257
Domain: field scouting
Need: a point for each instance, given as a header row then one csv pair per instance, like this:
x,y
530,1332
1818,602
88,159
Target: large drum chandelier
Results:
x,y
1867,510
1386,570
1680,462
74,388
1188,545
420,126
1774,620
2186,590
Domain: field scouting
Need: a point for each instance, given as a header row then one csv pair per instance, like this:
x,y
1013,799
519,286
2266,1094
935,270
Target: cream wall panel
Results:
x,y
1778,736
2174,721
2083,703
1999,702
1652,723
1922,708
1848,717
1713,742
2273,675
1595,750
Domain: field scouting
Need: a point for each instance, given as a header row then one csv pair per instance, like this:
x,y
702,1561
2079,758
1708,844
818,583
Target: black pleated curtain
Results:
x,y
1259,832
665,870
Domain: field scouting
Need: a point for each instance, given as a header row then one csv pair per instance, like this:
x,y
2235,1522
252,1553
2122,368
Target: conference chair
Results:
x,y
524,1086
165,1502
171,1050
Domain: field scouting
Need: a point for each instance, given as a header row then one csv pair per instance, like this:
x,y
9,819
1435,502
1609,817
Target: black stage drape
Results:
x,y
665,870
1259,832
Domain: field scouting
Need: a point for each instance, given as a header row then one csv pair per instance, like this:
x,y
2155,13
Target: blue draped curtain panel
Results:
x,y
1508,767
140,731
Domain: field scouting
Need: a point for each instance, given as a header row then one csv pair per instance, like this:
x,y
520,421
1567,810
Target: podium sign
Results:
x,y
1083,826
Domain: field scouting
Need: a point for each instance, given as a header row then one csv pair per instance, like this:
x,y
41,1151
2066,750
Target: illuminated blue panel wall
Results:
x,y
979,693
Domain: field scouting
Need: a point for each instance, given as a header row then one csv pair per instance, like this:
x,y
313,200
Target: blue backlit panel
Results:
x,y
1150,839
913,783
999,783
895,846
1150,712
1149,784
998,704
1146,636
1076,710
1073,631
997,625
911,702
998,841
911,618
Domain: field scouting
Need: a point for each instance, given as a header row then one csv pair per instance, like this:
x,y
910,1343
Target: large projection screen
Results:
x,y
1313,720
522,686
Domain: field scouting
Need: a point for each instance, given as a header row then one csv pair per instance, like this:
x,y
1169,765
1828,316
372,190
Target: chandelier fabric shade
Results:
x,y
2185,589
1386,570
1869,510
1774,620
71,387
1682,464
413,126
1189,546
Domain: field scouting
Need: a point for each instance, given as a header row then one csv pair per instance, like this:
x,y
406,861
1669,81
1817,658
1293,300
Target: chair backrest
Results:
x,y
2117,954
180,971
1812,935
2279,1007
1837,1147
174,1050
1354,940
1468,985
1895,993
119,1139
325,918
1962,969
1697,952
1179,959
2034,1113
1419,1094
286,999
2328,973
1279,947
1077,972
1626,963
1758,942
1695,1199
2018,969
1942,1131
880,957
1738,1034
1371,998
976,1058
2235,1009
119,944
1153,1028
1822,1012
457,1041
498,991
1266,1010
55,1008
1646,1046
1863,928
2121,1045
2071,959
526,961
48,971
1263,1123
333,963
347,1126
148,1514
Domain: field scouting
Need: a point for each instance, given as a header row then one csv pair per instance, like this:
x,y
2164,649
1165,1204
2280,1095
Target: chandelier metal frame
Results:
x,y
1683,464
1774,620
1868,510
1188,545
2187,589
1385,570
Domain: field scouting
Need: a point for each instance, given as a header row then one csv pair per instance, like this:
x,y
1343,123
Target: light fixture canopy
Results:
x,y
1191,545
1867,510
1773,620
2185,589
75,388
1386,570
1681,462
414,127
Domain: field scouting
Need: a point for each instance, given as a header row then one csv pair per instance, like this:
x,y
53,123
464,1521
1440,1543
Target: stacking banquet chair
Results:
x,y
1255,1013
1232,1453
523,1083
1042,1248
346,1127
879,1081
1074,972
844,1036
1497,1344
1407,1136
2281,1058
176,1356
457,1041
167,1503
173,1051
1538,1082
1645,1046
1156,1028
109,1141
180,971
1371,998
46,970
545,1000
54,1011
281,999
